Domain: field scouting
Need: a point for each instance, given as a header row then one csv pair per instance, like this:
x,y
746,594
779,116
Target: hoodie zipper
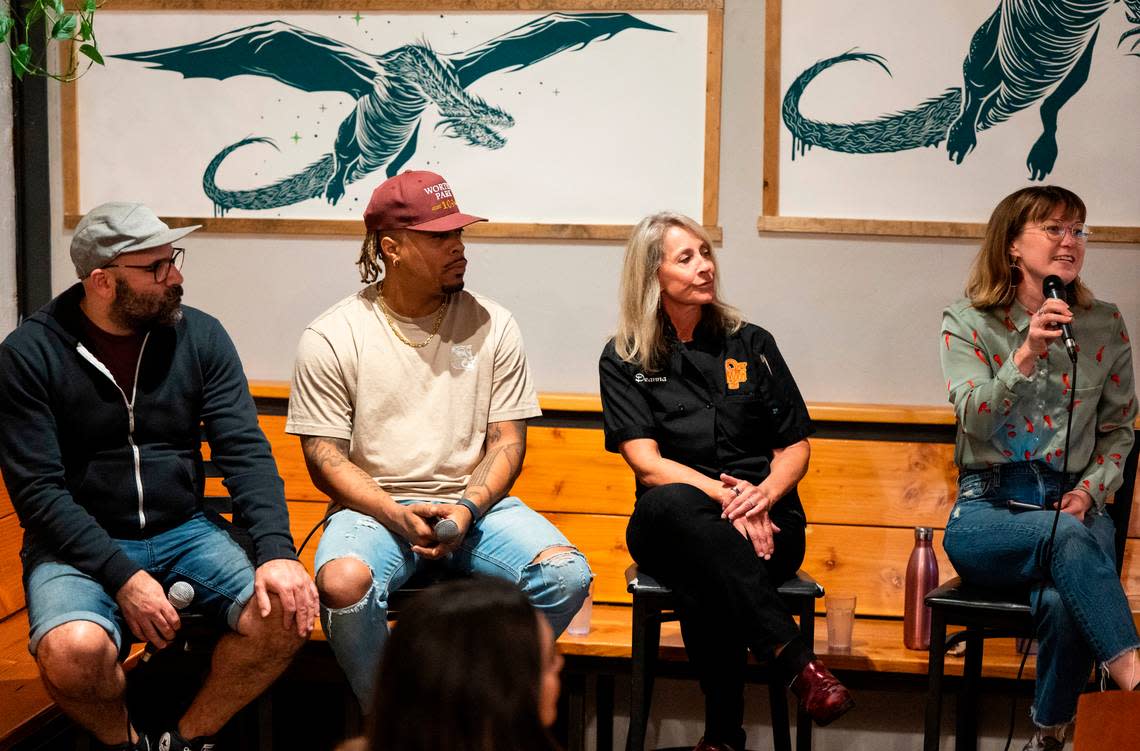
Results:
x,y
130,405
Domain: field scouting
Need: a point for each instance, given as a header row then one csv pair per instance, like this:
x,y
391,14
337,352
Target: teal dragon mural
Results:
x,y
1027,51
392,90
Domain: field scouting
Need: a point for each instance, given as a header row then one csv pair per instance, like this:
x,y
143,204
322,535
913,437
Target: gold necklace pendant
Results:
x,y
400,335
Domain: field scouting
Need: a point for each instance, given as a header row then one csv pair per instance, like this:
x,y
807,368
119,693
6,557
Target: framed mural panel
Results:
x,y
549,117
914,119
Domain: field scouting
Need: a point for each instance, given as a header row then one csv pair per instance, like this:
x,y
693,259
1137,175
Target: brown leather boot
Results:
x,y
821,694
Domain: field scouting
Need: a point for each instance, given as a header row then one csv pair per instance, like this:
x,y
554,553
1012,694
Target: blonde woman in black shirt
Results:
x,y
703,409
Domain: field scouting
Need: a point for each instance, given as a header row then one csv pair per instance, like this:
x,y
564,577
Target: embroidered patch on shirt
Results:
x,y
735,373
462,357
642,378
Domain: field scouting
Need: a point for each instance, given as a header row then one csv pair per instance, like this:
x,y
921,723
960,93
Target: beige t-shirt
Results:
x,y
416,419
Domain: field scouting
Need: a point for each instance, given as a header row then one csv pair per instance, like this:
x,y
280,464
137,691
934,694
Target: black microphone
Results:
x,y
1055,288
180,595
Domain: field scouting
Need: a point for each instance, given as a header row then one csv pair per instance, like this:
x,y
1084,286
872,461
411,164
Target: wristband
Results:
x,y
468,504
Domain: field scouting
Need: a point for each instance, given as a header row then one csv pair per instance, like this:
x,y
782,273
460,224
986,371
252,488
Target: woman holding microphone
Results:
x,y
1041,428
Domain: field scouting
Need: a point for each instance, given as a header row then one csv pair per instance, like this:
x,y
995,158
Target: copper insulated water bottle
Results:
x,y
921,577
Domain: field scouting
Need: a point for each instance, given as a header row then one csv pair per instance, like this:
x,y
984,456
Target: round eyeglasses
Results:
x,y
1056,232
160,268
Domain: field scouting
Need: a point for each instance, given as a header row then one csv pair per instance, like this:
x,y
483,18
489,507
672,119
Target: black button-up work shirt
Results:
x,y
721,404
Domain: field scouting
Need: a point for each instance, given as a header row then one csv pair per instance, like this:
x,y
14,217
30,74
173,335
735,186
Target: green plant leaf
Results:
x,y
65,27
6,24
91,52
21,60
89,6
35,13
85,29
58,5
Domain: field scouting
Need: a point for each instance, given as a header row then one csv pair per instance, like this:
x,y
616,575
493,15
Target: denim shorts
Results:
x,y
198,552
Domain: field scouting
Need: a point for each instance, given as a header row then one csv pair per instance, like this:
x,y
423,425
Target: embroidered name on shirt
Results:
x,y
642,378
735,373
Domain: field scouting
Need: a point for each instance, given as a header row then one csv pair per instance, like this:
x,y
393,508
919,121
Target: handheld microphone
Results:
x,y
446,530
180,595
1055,288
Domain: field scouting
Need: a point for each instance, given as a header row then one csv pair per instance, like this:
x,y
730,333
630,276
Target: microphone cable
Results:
x,y
1048,557
332,509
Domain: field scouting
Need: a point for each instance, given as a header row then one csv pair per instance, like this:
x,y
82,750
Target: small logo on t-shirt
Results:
x,y
642,378
735,373
462,357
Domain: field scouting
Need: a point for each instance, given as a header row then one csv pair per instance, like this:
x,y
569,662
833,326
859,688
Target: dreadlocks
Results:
x,y
370,263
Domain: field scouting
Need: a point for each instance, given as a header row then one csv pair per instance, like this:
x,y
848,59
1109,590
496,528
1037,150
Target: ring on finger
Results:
x,y
736,491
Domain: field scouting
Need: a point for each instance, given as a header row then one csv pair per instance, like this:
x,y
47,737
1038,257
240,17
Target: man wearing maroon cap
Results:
x,y
411,399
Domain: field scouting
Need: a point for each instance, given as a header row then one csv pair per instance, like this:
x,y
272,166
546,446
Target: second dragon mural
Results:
x,y
1027,53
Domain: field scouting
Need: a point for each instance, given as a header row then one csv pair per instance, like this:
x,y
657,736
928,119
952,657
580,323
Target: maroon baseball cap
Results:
x,y
415,200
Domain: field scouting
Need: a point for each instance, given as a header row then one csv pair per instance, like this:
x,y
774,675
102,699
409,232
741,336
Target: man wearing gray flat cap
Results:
x,y
104,393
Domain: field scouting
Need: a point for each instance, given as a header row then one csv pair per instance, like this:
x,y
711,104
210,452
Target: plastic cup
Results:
x,y
840,621
580,625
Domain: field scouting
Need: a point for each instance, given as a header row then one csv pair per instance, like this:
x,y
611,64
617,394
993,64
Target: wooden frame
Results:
x,y
770,219
523,231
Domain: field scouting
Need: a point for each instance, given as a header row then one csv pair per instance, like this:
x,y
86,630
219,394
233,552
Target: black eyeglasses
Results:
x,y
160,269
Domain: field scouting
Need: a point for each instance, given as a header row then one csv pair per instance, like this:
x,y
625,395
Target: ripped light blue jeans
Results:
x,y
1081,613
503,543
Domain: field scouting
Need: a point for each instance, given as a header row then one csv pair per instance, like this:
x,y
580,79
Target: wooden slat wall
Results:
x,y
882,483
11,536
863,498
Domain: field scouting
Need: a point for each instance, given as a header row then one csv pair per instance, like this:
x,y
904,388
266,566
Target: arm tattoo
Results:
x,y
511,447
324,453
479,476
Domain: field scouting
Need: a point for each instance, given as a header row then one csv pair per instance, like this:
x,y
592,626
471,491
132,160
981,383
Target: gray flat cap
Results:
x,y
118,227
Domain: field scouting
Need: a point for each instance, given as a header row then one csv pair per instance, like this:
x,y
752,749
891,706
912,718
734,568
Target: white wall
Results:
x,y
8,308
856,317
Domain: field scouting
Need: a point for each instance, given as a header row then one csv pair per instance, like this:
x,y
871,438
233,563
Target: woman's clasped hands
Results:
x,y
746,506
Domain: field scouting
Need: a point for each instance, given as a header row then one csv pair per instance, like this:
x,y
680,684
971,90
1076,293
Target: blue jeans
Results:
x,y
1081,612
503,543
198,552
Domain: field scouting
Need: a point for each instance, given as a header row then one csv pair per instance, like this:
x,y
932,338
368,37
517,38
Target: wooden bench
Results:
x,y
876,472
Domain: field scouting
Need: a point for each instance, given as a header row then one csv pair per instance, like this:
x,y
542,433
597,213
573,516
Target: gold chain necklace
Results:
x,y
396,329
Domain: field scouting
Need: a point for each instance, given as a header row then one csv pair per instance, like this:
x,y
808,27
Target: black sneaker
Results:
x,y
172,741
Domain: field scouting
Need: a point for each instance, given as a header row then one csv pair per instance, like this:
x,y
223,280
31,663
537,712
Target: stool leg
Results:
x,y
807,633
646,641
604,713
936,665
778,702
967,720
575,684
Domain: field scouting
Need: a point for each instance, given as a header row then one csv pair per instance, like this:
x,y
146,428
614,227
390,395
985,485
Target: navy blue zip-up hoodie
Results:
x,y
85,463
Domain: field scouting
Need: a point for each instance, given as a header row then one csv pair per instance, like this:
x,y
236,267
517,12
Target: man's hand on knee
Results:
x,y
145,608
294,588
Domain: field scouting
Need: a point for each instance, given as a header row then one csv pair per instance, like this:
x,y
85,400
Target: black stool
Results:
x,y
653,605
987,614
